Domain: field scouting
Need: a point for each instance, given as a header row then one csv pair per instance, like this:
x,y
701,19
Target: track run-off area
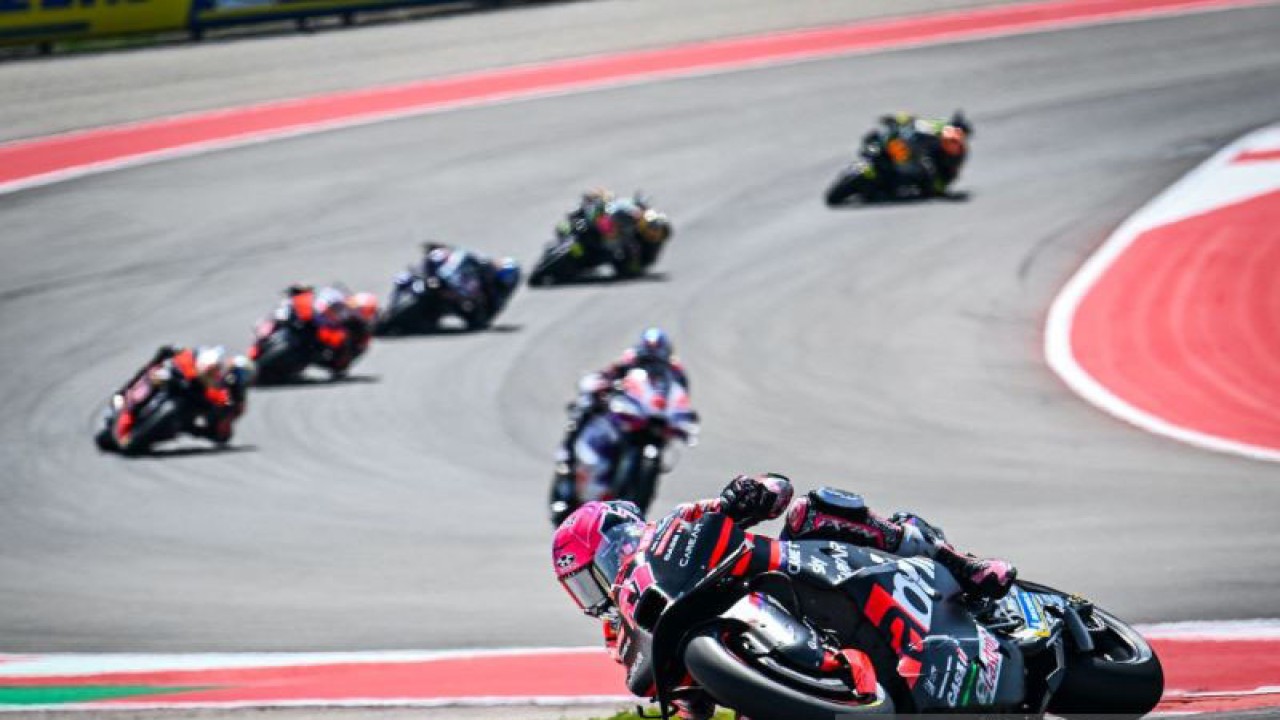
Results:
x,y
894,350
1210,667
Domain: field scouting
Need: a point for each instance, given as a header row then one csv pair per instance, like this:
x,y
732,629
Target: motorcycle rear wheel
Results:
x,y
735,683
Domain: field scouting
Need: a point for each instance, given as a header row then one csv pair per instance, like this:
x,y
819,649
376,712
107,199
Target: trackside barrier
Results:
x,y
39,22
25,22
221,13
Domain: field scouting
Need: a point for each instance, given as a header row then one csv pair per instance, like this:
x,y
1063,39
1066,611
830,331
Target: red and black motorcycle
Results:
x,y
763,645
284,346
150,412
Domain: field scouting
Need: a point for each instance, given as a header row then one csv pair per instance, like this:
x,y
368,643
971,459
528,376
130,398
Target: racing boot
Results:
x,y
978,577
829,513
986,578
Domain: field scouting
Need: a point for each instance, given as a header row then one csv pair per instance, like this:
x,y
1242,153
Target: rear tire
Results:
x,y
1128,684
734,683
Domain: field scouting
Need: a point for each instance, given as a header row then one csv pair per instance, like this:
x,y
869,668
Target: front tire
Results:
x,y
850,183
399,319
644,480
278,360
156,426
736,684
556,266
1123,678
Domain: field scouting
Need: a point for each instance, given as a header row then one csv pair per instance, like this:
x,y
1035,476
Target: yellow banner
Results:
x,y
28,21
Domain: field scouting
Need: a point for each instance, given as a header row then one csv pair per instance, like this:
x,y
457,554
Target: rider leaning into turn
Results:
x,y
341,323
931,153
455,268
601,537
211,384
653,352
611,223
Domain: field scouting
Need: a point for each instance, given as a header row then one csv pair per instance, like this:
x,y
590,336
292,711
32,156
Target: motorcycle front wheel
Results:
x,y
737,682
557,265
851,182
278,359
157,425
1121,678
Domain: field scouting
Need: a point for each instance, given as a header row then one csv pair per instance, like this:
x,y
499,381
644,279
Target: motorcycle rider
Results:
x,y
240,374
340,323
626,229
197,376
479,286
653,352
921,153
592,549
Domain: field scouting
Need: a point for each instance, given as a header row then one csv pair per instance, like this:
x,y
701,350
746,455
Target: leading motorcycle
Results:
x,y
758,645
625,445
144,414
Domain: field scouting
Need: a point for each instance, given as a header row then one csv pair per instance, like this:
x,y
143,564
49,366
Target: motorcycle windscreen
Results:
x,y
684,554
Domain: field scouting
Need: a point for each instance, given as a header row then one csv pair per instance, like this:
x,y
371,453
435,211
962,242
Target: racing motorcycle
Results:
x,y
759,645
626,444
418,304
571,255
143,415
870,175
283,348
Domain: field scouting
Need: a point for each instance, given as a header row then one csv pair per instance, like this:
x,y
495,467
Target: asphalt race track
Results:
x,y
895,350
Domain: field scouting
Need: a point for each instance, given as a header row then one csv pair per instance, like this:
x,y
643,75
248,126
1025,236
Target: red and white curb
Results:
x,y
1173,325
41,161
1208,667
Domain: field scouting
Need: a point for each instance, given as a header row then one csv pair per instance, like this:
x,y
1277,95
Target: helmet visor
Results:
x,y
617,544
586,590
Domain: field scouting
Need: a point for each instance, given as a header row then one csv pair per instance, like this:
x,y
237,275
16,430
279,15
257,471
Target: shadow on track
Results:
x,y
311,381
590,280
453,331
957,196
190,451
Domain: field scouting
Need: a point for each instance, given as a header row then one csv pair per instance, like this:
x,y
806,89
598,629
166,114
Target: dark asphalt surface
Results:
x,y
895,350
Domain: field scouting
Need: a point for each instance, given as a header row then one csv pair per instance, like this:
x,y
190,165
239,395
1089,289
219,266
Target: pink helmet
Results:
x,y
590,547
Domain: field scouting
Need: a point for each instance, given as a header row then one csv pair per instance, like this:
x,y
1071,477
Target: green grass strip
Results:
x,y
652,712
58,694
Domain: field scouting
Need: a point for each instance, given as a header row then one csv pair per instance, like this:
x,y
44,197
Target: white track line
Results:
x,y
1192,195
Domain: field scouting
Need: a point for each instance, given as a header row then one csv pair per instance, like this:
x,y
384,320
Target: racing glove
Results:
x,y
752,499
